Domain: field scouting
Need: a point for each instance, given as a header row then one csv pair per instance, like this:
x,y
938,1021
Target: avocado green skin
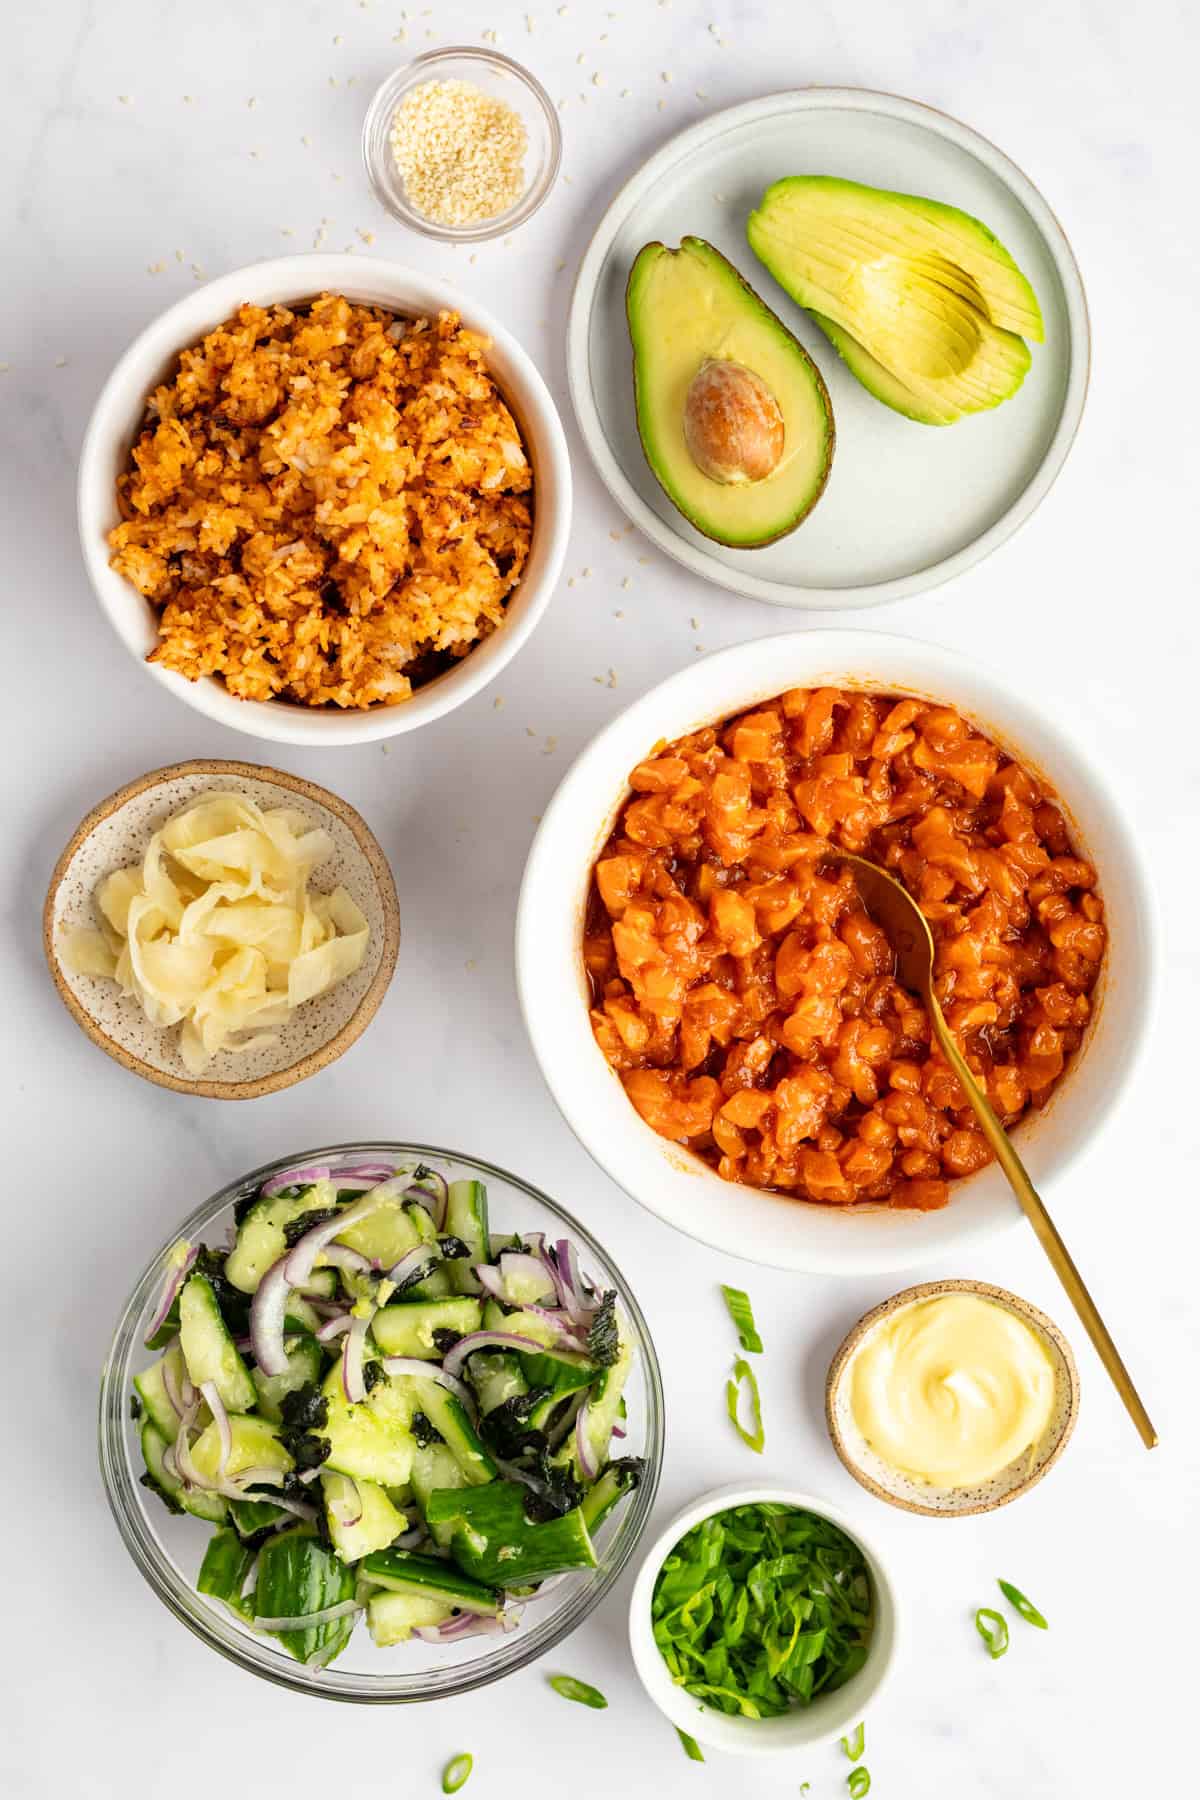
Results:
x,y
755,303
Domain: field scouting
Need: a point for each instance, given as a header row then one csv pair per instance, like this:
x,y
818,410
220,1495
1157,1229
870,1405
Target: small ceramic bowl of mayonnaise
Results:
x,y
950,1398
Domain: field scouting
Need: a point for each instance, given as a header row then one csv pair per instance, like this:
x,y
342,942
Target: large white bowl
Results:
x,y
826,1717
117,419
748,1222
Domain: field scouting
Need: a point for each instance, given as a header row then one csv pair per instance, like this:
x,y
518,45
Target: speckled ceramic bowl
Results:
x,y
899,1489
116,832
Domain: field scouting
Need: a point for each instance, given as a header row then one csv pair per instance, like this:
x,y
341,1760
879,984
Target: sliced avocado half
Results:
x,y
923,303
689,312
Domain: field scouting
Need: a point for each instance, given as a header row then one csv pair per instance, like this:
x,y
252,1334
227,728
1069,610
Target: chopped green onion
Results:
x,y
742,1314
570,1689
993,1629
859,1783
855,1744
742,1372
455,1773
1020,1604
691,1746
805,1786
762,1608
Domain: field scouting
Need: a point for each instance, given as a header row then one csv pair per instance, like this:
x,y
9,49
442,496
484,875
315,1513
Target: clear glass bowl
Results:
x,y
168,1548
502,79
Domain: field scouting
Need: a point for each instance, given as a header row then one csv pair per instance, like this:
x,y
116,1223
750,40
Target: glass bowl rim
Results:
x,y
392,88
142,1541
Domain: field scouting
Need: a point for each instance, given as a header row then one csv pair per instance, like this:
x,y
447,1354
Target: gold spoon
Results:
x,y
894,908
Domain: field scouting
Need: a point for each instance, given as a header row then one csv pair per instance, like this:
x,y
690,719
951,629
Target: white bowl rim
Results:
x,y
378,281
746,1737
834,645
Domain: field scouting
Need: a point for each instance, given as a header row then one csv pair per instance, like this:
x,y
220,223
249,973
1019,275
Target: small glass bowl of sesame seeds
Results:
x,y
462,144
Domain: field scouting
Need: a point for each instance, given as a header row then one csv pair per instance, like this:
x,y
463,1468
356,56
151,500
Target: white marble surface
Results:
x,y
1092,610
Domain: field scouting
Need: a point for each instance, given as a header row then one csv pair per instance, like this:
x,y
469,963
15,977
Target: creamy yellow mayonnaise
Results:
x,y
952,1389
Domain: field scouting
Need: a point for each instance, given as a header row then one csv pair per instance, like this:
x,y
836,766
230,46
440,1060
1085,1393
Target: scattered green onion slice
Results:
x,y
856,1743
993,1629
742,1372
456,1771
859,1783
570,1689
762,1608
1020,1604
742,1314
691,1746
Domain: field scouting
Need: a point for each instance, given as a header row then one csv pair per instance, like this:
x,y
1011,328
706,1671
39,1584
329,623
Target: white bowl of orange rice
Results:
x,y
332,533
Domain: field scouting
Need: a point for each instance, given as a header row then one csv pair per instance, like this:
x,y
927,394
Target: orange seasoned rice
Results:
x,y
326,504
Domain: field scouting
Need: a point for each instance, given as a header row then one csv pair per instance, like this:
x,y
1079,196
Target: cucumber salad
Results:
x,y
382,1408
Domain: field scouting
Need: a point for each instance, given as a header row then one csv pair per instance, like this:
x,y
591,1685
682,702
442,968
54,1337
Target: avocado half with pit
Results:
x,y
921,301
732,412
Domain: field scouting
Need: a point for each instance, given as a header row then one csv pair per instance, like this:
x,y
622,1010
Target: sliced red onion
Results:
x,y
574,1295
413,1264
429,1371
216,1407
174,1281
300,1508
259,1477
320,1659
532,1268
465,1625
333,1328
185,1467
482,1340
169,1463
180,1394
408,1540
567,1335
619,1431
347,1516
433,1192
354,1384
545,1587
268,1310
301,1259
296,1178
589,1468
490,1280
306,1477
309,1621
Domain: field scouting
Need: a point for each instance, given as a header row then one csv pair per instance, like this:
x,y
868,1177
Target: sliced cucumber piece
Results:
x,y
391,1618
446,1414
151,1389
297,1576
208,1349
305,1363
370,1440
407,1327
407,1573
321,1284
301,1316
496,1377
385,1235
200,1504
493,1540
252,1516
260,1238
434,1467
224,1571
562,1371
360,1515
609,1488
467,1218
254,1444
437,1282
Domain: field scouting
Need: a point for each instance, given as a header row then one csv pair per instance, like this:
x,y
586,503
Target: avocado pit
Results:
x,y
732,423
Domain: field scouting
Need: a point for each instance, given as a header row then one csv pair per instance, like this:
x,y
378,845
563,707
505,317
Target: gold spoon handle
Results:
x,y
1060,1257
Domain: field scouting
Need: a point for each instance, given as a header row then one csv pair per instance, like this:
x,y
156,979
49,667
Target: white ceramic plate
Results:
x,y
750,1222
907,506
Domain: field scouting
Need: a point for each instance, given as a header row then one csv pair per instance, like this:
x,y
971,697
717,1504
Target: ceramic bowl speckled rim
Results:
x,y
749,1222
953,140
312,1061
117,418
142,1521
1009,1484
829,1715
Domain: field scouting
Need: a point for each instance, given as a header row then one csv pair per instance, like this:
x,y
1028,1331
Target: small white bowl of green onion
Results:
x,y
762,1621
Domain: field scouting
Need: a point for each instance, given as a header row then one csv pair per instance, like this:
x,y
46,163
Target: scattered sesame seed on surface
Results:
x,y
400,37
618,615
661,104
472,258
559,267
351,80
124,99
4,368
337,37
333,81
562,12
579,58
612,678
306,141
60,362
187,100
599,680
469,964
597,79
155,268
699,647
695,624
529,731
627,583
561,105
550,747
585,573
385,749
643,559
529,23
570,581
286,231
252,101
700,94
583,99
179,256
368,237
666,75
624,93
498,702
615,536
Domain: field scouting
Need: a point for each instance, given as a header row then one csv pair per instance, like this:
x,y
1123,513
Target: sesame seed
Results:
x,y
612,678
627,583
661,104
529,731
570,581
615,536
60,362
695,624
498,702
252,102
597,79
666,75
460,152
619,615
586,573
551,746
